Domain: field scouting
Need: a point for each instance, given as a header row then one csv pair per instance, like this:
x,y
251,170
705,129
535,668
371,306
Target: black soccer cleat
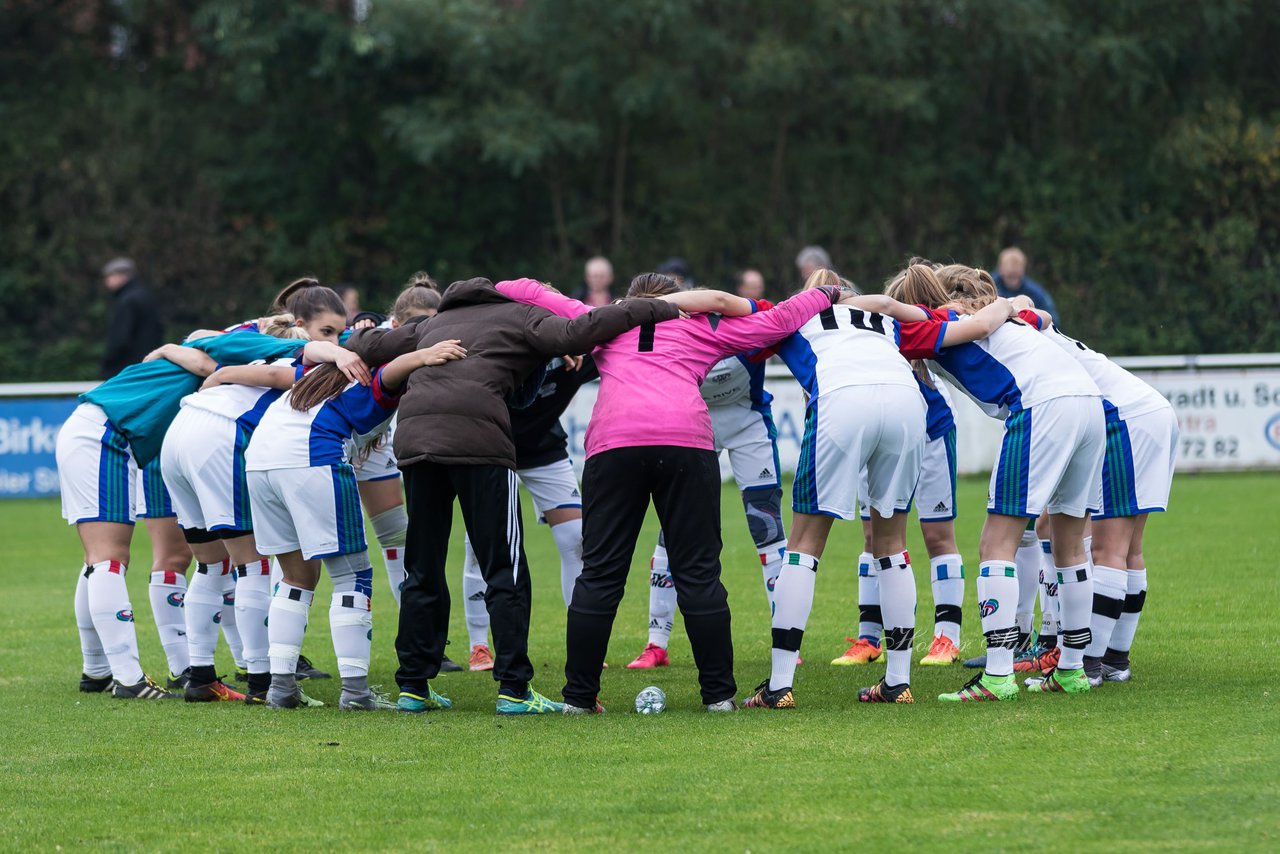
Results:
x,y
307,670
448,665
763,698
94,684
180,681
883,693
147,689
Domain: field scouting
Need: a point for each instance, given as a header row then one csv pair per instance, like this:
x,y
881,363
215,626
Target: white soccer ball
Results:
x,y
651,701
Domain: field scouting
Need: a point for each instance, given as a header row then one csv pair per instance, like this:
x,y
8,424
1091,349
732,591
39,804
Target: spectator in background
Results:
x,y
749,284
812,258
1012,280
678,269
597,281
133,321
351,299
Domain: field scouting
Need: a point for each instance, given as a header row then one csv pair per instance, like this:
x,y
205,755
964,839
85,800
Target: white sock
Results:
x,y
898,603
473,589
870,618
286,626
1135,598
95,662
998,602
230,625
393,557
662,598
568,537
277,574
203,609
112,615
253,604
167,591
1075,599
1027,559
947,574
771,565
351,623
1050,607
792,602
1110,586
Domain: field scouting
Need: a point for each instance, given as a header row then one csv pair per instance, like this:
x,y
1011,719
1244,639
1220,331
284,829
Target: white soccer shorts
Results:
x,y
751,440
1050,459
96,469
553,486
872,434
935,498
380,463
315,510
203,464
1138,470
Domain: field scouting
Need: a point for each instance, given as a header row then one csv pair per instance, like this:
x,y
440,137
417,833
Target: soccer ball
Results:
x,y
651,701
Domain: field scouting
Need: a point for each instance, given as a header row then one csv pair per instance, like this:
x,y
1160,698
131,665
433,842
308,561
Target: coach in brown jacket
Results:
x,y
453,440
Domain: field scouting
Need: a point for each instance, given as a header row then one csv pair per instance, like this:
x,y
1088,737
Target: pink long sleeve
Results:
x,y
532,292
735,335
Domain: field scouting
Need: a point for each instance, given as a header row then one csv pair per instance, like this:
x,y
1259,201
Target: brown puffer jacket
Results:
x,y
457,413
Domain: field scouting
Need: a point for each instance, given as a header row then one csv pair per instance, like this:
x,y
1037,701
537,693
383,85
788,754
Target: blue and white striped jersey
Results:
x,y
243,404
735,379
1013,369
1128,394
940,419
325,434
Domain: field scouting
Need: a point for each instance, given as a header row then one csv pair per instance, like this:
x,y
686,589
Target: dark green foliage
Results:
x,y
1131,148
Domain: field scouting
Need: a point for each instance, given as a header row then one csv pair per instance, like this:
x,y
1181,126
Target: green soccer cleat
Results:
x,y
417,703
1060,681
532,703
984,689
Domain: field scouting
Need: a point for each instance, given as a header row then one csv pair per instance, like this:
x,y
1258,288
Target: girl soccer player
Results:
x,y
118,427
306,509
1137,473
1051,459
650,438
865,418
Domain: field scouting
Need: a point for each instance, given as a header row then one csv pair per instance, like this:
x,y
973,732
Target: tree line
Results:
x,y
1130,148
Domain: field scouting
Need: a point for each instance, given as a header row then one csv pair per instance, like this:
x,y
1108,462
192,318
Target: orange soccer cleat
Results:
x,y
862,651
941,651
481,658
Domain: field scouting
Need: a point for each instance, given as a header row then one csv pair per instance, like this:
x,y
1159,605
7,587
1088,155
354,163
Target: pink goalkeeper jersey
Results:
x,y
650,376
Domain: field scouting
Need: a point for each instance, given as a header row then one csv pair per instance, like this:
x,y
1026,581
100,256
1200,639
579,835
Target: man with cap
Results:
x,y
133,321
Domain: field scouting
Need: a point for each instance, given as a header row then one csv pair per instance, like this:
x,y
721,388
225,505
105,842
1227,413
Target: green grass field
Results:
x,y
1185,756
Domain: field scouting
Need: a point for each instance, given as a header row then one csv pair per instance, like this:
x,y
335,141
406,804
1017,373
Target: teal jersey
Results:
x,y
142,400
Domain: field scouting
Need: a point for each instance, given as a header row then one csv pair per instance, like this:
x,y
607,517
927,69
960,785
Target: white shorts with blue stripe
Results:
x,y
97,473
315,510
1138,470
935,498
1050,459
203,464
752,442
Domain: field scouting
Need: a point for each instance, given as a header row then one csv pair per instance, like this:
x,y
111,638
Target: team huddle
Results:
x,y
259,450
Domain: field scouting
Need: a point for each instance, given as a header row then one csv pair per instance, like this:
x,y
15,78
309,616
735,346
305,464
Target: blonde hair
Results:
x,y
972,288
416,299
283,326
823,276
918,284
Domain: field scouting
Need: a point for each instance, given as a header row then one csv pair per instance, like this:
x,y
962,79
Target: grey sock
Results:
x,y
355,686
282,685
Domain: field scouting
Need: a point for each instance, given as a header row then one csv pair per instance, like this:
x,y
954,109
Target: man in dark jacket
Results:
x,y
453,440
1012,280
133,321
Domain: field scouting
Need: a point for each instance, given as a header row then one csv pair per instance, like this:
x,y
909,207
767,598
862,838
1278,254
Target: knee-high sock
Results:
x,y
1075,596
94,658
112,615
230,625
997,603
351,622
947,574
1117,653
390,527
253,604
1027,559
277,574
870,618
167,591
1049,605
792,602
473,589
203,608
770,565
1110,586
662,598
568,537
286,626
898,604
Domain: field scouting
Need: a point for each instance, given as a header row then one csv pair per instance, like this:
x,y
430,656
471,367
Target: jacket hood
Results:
x,y
470,292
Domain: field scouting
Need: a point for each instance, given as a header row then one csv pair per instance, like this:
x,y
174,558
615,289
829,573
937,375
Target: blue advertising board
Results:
x,y
28,434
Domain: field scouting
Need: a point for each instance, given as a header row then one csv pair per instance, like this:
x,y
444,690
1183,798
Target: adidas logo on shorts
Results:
x,y
765,473
941,508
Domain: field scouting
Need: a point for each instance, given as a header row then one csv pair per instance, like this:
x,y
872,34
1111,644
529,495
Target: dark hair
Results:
x,y
652,285
422,279
309,303
415,299
323,382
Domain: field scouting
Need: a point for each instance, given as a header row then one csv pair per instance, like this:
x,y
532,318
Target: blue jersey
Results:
x,y
735,379
326,434
142,400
